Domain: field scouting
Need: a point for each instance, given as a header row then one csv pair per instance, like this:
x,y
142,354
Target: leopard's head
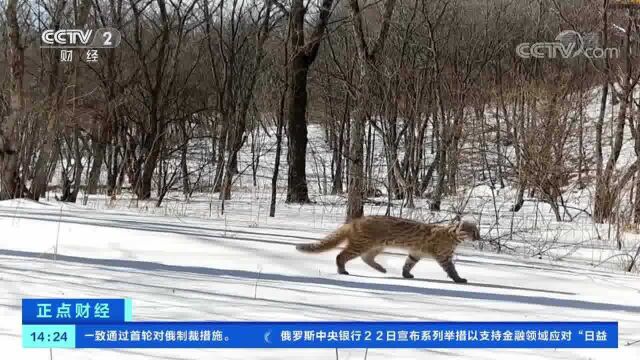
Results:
x,y
469,230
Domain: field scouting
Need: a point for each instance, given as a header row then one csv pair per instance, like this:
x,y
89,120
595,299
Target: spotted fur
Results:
x,y
369,236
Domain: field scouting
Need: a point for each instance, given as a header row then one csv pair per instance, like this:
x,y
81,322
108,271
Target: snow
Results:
x,y
244,266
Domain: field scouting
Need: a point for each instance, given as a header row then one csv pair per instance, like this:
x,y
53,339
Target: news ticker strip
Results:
x,y
324,335
107,323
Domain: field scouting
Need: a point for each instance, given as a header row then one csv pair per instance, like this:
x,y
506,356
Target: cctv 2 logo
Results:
x,y
99,38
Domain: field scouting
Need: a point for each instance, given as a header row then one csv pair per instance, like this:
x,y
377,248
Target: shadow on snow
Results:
x,y
245,274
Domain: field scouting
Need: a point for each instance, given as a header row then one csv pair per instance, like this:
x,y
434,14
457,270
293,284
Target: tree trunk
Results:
x,y
151,147
369,186
440,184
452,151
112,175
186,184
304,54
338,155
636,205
605,197
276,166
367,57
442,162
10,184
48,155
78,168
499,148
222,143
518,141
297,190
99,149
229,173
255,155
356,167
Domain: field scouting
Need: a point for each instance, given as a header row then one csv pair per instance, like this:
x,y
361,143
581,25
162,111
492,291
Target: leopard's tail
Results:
x,y
331,241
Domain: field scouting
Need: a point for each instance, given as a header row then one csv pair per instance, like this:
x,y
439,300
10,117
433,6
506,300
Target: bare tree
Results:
x,y
303,54
627,76
10,183
368,58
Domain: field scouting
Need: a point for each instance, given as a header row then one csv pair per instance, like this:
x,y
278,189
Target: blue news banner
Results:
x,y
107,323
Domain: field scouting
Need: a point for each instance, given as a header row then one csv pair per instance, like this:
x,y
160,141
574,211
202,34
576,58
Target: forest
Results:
x,y
436,85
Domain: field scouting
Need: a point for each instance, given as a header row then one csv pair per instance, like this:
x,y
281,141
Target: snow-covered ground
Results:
x,y
243,266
